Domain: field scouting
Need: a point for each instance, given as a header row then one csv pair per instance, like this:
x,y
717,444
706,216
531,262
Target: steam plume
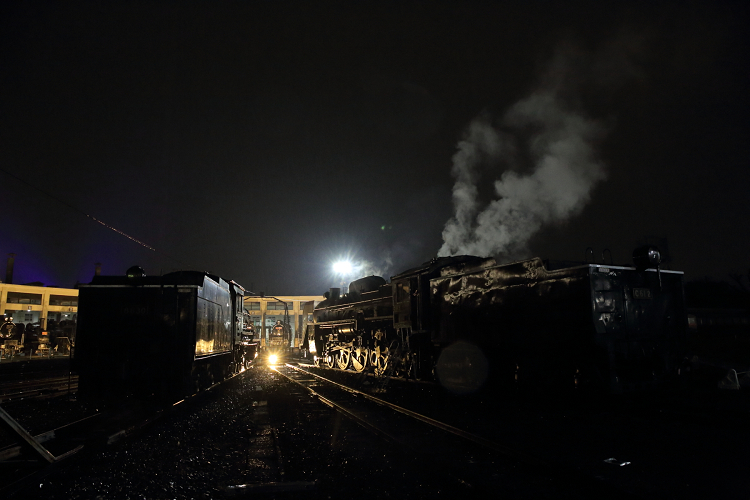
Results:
x,y
543,148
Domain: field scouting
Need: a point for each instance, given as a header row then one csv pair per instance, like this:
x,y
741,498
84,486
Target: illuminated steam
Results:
x,y
542,149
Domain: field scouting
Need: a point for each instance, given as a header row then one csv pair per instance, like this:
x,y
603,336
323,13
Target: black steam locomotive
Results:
x,y
11,338
159,336
465,320
278,337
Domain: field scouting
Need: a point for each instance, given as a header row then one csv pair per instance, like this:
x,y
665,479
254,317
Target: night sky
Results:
x,y
262,141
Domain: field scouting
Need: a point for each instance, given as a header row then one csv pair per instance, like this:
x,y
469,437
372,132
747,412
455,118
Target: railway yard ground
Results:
x,y
296,431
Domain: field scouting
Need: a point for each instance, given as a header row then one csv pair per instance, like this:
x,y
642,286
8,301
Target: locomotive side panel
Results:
x,y
165,336
532,323
641,320
214,312
128,341
500,305
616,328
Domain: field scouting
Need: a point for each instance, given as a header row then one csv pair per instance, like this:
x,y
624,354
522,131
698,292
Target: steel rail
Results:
x,y
361,421
39,391
49,462
564,473
40,382
498,448
13,450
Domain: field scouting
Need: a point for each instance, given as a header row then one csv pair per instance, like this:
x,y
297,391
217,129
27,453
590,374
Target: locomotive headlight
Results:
x,y
272,359
646,257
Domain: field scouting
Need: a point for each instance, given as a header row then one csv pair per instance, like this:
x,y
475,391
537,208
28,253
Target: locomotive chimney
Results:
x,y
97,269
9,268
335,293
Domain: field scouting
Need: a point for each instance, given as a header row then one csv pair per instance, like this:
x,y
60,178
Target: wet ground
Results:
x,y
254,438
686,441
259,437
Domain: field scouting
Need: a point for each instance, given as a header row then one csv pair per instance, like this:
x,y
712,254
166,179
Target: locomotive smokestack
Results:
x,y
97,269
334,293
9,268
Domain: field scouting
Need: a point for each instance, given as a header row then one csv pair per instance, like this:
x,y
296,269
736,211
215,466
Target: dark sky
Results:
x,y
263,140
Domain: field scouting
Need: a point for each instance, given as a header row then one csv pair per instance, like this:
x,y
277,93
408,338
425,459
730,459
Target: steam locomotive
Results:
x,y
466,320
164,337
11,338
278,337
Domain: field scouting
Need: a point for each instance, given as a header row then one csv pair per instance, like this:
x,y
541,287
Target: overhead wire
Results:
x,y
99,221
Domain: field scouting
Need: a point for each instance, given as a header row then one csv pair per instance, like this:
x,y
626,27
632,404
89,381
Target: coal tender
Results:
x,y
162,337
530,324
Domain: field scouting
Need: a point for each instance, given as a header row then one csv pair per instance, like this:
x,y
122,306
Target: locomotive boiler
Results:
x,y
159,336
465,320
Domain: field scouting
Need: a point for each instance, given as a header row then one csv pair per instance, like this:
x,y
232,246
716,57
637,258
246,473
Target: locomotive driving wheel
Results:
x,y
359,359
373,356
381,363
345,356
330,360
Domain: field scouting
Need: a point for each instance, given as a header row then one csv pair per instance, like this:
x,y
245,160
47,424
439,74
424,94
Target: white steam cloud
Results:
x,y
543,150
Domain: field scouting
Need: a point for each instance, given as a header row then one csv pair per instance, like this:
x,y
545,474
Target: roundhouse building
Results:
x,y
266,311
37,304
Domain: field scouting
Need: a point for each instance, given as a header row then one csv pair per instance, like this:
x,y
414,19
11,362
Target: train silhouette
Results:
x,y
465,321
163,337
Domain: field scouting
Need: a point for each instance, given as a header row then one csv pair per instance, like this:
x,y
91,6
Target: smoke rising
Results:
x,y
543,149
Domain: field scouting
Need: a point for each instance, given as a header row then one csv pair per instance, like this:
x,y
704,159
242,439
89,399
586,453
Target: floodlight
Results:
x,y
342,267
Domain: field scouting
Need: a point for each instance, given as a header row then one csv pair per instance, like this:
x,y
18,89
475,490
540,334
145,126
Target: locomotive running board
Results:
x,y
11,423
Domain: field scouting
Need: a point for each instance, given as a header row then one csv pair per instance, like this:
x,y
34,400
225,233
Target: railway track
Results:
x,y
193,427
473,461
22,463
641,443
301,430
37,388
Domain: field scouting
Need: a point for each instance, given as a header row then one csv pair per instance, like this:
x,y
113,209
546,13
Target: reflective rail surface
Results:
x,y
101,429
422,418
472,460
37,388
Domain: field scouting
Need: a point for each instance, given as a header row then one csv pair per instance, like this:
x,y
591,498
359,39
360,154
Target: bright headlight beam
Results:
x,y
342,267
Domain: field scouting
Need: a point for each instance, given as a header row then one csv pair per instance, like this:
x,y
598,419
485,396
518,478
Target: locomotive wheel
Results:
x,y
359,360
373,355
331,360
344,358
382,363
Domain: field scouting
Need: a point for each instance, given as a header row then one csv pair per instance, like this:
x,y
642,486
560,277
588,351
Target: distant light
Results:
x,y
343,267
272,359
